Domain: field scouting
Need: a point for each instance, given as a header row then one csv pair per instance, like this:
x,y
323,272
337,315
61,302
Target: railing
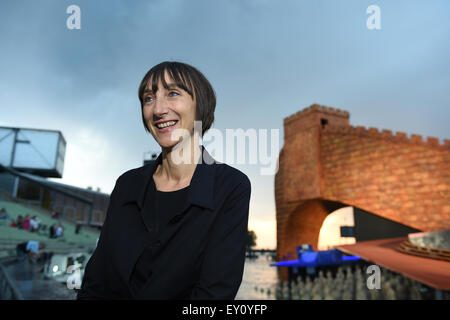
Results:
x,y
8,288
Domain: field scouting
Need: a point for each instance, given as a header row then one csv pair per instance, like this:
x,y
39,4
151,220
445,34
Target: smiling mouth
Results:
x,y
166,126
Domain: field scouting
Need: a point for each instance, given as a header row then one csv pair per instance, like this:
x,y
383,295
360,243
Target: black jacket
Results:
x,y
200,254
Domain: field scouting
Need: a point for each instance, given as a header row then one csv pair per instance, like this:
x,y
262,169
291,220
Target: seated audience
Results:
x,y
30,248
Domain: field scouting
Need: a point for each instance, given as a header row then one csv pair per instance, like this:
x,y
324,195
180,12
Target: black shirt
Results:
x,y
167,204
199,254
23,247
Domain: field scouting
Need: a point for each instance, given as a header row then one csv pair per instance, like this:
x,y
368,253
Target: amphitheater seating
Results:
x,y
11,236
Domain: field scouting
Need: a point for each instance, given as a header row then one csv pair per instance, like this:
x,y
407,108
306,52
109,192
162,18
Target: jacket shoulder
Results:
x,y
132,173
231,177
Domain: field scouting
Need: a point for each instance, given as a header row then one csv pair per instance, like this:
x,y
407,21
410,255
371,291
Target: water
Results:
x,y
259,280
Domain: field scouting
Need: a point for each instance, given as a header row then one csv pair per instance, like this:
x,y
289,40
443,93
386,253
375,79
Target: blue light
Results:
x,y
349,258
309,257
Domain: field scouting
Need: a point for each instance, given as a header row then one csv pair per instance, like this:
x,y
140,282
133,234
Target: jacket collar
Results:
x,y
201,191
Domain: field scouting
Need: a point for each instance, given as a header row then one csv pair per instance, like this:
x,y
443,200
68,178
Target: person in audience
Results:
x,y
59,230
26,222
3,214
34,224
52,231
55,215
19,223
30,248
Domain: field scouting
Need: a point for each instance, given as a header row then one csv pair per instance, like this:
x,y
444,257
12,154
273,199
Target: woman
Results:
x,y
177,227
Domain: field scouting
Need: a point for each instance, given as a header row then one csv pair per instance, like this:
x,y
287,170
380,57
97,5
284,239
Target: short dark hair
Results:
x,y
190,80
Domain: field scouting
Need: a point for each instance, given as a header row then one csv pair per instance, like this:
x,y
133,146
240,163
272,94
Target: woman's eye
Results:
x,y
171,92
147,99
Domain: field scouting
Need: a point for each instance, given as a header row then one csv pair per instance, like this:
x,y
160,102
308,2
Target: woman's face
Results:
x,y
166,106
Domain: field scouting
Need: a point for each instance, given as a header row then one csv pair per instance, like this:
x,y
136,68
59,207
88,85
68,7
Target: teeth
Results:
x,y
165,124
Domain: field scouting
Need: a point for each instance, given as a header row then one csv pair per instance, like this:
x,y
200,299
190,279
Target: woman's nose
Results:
x,y
160,106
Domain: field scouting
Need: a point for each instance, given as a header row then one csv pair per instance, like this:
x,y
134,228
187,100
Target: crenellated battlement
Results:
x,y
317,108
388,135
339,124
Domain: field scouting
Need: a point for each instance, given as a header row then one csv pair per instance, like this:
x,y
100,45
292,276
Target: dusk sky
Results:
x,y
266,60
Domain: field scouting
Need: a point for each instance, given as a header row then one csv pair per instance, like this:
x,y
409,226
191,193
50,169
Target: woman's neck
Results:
x,y
177,167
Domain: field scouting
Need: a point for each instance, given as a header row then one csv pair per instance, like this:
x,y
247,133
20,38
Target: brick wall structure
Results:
x,y
326,164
